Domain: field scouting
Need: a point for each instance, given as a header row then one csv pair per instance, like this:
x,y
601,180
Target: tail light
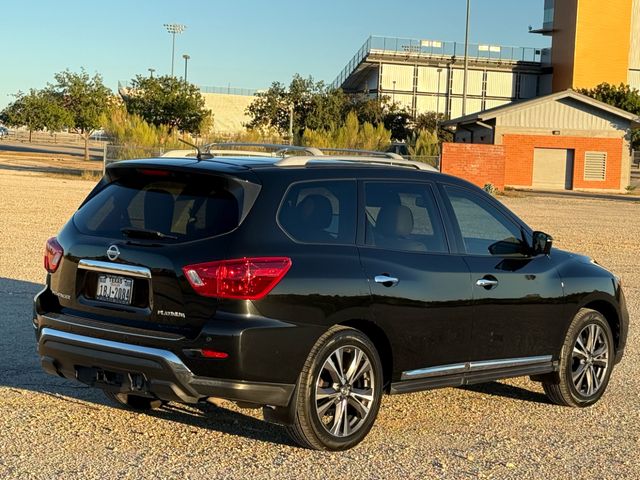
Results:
x,y
53,253
241,279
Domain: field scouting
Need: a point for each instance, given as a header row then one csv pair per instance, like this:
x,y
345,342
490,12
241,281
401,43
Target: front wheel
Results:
x,y
339,391
586,361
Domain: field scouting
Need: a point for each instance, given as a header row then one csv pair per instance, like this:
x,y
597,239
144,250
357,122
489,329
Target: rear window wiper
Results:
x,y
133,232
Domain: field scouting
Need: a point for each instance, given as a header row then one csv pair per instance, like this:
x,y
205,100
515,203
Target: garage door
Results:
x,y
552,168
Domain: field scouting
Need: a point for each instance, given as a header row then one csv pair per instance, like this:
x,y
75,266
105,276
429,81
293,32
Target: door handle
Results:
x,y
386,280
487,283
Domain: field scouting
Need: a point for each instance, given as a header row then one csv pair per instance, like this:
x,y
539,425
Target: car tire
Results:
x,y
134,402
586,361
343,368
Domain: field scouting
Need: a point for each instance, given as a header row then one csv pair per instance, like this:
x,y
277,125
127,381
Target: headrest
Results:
x,y
395,221
315,211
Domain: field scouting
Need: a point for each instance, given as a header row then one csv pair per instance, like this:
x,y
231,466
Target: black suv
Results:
x,y
310,285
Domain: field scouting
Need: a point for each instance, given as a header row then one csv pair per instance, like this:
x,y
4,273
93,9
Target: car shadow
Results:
x,y
507,391
21,370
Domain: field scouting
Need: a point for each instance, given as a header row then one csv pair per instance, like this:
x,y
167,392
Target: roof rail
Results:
x,y
369,153
279,149
301,161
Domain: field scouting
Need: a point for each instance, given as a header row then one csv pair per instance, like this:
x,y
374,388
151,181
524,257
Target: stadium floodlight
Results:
x,y
174,29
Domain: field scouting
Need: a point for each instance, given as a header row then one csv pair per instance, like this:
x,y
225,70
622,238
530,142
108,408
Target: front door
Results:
x,y
518,299
421,292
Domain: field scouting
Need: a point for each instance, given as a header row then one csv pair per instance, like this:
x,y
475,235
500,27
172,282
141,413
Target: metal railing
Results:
x,y
411,47
247,92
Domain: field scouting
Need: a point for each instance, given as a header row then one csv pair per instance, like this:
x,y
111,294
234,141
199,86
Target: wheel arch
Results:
x,y
610,313
380,341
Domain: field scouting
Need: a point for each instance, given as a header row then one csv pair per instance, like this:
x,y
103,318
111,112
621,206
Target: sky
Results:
x,y
241,43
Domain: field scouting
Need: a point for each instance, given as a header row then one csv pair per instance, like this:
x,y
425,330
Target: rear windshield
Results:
x,y
173,208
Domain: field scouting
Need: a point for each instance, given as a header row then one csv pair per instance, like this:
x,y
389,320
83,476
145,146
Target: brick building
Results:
x,y
563,141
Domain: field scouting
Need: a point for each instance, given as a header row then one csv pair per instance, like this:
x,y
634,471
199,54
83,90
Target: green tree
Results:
x,y
429,121
621,96
314,105
37,110
168,101
85,98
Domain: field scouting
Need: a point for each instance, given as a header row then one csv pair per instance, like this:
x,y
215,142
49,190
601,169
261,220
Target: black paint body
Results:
x,y
435,315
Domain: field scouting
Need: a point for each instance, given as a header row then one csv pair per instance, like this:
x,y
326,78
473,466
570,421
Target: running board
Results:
x,y
469,373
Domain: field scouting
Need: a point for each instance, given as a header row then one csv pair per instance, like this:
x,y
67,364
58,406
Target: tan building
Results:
x,y
229,107
427,75
593,41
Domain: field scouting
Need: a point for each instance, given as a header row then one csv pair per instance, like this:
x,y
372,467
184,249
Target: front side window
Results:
x,y
484,229
403,216
320,212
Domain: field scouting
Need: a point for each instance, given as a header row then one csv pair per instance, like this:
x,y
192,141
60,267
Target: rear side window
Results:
x,y
171,209
320,212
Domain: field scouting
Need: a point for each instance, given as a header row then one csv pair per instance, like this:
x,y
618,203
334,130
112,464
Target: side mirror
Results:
x,y
541,243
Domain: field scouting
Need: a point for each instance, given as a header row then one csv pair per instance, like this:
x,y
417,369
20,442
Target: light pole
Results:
x,y
173,29
151,70
393,98
438,100
186,60
466,62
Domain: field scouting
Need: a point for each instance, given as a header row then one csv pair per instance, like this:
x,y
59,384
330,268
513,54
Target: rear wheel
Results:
x,y
586,361
135,402
339,391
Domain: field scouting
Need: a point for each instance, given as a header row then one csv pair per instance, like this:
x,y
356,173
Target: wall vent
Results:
x,y
595,165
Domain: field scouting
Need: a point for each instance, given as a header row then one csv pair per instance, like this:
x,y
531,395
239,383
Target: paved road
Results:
x,y
54,428
74,150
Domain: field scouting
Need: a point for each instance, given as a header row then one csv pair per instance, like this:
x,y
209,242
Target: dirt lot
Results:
x,y
53,428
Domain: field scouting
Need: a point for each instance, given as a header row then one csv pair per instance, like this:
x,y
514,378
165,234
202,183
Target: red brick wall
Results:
x,y
512,162
519,158
480,164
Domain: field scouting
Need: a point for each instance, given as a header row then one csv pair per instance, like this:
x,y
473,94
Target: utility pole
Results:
x,y
466,62
291,124
438,100
173,29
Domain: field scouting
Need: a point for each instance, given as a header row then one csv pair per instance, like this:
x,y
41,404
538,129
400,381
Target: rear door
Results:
x,y
421,293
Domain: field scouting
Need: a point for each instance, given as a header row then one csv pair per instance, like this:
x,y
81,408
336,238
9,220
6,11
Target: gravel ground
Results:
x,y
53,428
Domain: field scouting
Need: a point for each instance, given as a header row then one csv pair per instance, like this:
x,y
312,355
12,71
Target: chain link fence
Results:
x,y
115,153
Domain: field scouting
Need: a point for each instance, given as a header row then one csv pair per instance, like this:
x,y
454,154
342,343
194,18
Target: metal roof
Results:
x,y
492,113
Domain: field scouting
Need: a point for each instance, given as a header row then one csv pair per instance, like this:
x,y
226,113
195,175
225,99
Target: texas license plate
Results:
x,y
115,289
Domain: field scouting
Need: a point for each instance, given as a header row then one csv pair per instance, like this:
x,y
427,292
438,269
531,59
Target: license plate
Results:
x,y
115,289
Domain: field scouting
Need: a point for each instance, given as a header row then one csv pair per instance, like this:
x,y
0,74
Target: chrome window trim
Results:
x,y
474,366
114,268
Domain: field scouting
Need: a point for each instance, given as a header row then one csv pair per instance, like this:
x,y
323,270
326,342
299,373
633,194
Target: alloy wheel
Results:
x,y
344,391
590,360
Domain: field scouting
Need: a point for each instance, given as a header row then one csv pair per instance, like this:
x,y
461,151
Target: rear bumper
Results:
x,y
145,370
